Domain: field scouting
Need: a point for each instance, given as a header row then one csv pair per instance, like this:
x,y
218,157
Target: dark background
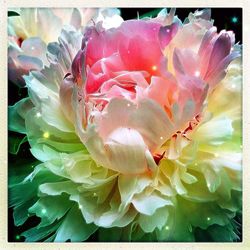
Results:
x,y
224,18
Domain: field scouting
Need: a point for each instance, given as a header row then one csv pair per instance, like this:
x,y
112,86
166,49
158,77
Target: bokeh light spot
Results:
x,y
154,68
46,135
234,19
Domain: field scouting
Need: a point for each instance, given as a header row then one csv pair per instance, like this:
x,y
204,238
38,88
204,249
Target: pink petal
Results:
x,y
186,62
167,33
131,35
221,49
133,77
217,48
164,97
102,71
94,81
135,57
116,91
215,76
77,67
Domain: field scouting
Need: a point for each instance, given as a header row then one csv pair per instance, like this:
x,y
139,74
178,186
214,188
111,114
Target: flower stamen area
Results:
x,y
173,145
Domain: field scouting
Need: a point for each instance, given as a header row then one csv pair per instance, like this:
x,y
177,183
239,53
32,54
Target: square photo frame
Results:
x,y
152,199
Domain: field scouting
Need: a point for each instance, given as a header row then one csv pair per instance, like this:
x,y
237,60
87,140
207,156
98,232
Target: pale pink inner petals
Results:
x,y
130,40
165,97
152,122
102,71
191,88
186,62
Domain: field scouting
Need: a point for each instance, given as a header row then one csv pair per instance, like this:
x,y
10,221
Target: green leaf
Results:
x,y
19,169
38,234
152,13
12,13
221,233
21,212
74,227
51,208
15,143
17,114
21,192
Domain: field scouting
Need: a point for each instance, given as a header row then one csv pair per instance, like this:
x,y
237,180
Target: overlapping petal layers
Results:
x,y
135,132
31,31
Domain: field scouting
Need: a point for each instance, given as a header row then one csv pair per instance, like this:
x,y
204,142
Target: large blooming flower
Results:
x,y
135,133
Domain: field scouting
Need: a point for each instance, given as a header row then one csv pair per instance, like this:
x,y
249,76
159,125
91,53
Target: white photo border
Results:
x,y
5,4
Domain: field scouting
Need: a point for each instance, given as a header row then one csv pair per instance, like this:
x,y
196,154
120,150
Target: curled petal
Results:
x,y
77,67
221,49
125,149
152,122
148,204
167,33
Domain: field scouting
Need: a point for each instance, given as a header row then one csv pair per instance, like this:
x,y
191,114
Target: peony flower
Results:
x,y
31,31
134,133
